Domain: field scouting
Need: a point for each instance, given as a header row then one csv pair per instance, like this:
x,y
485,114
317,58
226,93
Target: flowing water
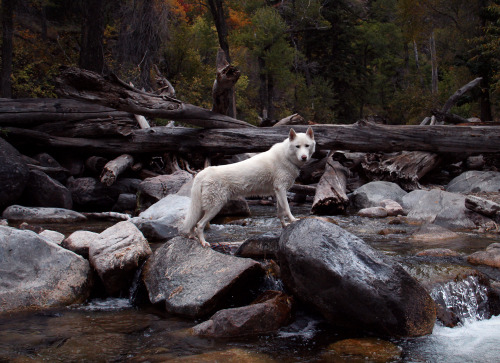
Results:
x,y
113,330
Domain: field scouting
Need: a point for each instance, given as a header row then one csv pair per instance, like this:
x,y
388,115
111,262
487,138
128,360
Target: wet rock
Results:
x,y
264,245
153,189
51,167
231,355
126,202
235,207
410,200
17,213
79,242
475,181
373,212
445,209
371,194
439,252
43,191
14,172
392,207
194,281
52,236
116,255
90,194
350,283
163,219
432,232
266,315
488,257
39,274
364,349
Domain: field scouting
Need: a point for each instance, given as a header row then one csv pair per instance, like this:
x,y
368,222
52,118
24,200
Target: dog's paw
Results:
x,y
205,244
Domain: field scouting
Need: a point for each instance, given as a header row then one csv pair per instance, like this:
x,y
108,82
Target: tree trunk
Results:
x,y
7,48
222,91
91,52
114,168
361,136
112,92
432,44
331,197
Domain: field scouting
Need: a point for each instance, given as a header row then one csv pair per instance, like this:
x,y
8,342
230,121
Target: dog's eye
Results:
x,y
307,145
297,146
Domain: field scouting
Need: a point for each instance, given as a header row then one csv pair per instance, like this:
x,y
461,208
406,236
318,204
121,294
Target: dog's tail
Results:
x,y
195,211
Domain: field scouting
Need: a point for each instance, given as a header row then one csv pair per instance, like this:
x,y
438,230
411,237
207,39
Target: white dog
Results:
x,y
267,173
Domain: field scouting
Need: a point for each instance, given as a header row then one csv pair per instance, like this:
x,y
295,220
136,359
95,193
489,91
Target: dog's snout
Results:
x,y
304,157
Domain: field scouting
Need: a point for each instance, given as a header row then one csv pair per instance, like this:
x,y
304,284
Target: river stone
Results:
x,y
43,191
116,255
79,242
373,212
362,349
194,281
371,194
162,220
17,213
160,186
475,181
266,315
411,199
445,209
39,274
14,174
392,207
431,232
263,245
488,257
350,283
52,236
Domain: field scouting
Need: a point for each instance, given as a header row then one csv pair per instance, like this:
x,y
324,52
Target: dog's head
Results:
x,y
302,145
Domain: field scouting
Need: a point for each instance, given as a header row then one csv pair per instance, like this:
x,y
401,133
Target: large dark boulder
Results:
x,y
350,283
191,280
475,181
36,273
14,174
43,191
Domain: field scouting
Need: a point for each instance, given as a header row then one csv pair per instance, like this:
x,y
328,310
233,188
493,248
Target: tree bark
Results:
x,y
114,168
223,88
91,52
432,44
331,197
7,48
361,136
112,92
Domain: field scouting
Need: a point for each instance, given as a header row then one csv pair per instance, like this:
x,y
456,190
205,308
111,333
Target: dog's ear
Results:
x,y
292,135
310,132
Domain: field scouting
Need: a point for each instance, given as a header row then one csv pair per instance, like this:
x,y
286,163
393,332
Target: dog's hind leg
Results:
x,y
207,217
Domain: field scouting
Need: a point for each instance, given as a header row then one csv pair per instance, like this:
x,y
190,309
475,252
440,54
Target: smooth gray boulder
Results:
x,y
153,189
36,273
475,181
373,193
445,209
350,283
17,213
79,242
116,255
411,199
194,281
14,174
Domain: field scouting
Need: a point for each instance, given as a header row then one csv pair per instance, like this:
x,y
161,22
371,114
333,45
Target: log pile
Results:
x,y
102,130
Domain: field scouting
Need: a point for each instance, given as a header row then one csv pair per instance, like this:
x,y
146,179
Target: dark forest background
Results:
x,y
332,61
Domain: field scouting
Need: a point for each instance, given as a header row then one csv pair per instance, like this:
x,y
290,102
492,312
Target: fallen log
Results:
x,y
110,91
116,167
331,196
361,136
91,128
405,168
29,112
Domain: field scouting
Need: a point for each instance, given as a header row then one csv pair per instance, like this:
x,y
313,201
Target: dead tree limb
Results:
x,y
222,90
112,92
331,196
115,167
456,96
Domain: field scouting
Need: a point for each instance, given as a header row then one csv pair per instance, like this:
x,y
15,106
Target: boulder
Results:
x,y
266,315
153,189
39,274
14,172
79,242
392,207
411,199
373,212
194,281
488,257
52,236
90,194
263,245
162,220
432,232
116,255
371,194
43,191
475,181
362,349
17,213
235,207
126,202
350,283
445,209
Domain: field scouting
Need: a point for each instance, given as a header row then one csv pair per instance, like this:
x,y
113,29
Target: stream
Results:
x,y
114,330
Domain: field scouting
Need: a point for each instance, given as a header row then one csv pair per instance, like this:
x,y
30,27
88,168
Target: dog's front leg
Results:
x,y
283,207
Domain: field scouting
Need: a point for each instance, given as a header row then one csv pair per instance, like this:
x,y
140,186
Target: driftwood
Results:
x,y
294,119
331,197
92,128
96,164
223,88
361,136
449,117
114,168
405,168
31,112
483,206
112,92
456,96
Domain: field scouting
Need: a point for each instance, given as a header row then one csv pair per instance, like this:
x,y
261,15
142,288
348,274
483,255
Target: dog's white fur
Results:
x,y
267,173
